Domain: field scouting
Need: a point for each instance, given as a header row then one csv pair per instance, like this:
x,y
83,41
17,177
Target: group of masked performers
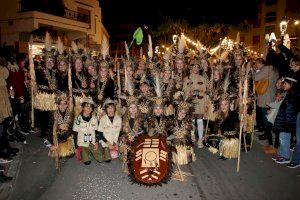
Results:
x,y
100,104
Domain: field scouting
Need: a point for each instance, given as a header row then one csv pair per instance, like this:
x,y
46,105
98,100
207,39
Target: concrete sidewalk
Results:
x,y
12,169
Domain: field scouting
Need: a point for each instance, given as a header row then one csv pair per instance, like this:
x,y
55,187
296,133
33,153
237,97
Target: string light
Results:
x,y
225,43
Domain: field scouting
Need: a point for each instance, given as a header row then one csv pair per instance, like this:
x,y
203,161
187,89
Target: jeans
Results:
x,y
200,127
296,153
285,141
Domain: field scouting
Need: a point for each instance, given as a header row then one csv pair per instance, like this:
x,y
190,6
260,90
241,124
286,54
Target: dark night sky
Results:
x,y
152,13
195,12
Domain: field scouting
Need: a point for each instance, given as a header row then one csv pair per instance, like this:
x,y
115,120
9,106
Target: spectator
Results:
x,y
295,161
285,121
264,73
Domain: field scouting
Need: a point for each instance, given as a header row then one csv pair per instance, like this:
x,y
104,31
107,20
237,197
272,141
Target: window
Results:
x,y
255,39
270,17
83,15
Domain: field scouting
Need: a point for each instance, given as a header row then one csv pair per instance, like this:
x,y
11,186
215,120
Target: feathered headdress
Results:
x,y
167,58
47,44
127,62
158,101
77,53
48,51
131,99
104,48
60,51
74,47
238,38
127,50
181,45
104,52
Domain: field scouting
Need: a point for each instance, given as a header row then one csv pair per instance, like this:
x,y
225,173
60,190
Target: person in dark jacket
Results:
x,y
295,161
285,121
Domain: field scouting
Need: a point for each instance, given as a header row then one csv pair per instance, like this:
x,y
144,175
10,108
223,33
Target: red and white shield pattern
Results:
x,y
150,159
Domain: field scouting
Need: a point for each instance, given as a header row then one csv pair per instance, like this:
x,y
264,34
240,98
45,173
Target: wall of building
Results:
x,y
13,22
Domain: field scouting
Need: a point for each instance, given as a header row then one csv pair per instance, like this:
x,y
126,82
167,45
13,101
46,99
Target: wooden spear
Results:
x,y
55,142
32,79
243,109
70,84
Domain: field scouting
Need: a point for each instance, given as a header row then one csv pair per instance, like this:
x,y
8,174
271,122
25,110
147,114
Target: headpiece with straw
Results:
x,y
61,56
158,101
48,51
181,47
167,57
77,53
104,52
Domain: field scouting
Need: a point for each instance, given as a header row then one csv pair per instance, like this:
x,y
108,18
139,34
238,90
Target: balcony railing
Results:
x,y
70,14
58,10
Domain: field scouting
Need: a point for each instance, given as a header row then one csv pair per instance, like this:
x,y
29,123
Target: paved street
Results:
x,y
259,178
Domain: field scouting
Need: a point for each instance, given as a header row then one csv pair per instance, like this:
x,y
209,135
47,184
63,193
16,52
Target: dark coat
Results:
x,y
297,89
286,118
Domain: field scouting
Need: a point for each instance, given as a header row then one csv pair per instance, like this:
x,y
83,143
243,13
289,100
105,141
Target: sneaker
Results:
x,y
293,165
32,130
292,147
276,157
5,161
200,144
282,160
47,143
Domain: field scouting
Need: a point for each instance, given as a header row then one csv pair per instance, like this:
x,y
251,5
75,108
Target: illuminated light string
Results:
x,y
225,43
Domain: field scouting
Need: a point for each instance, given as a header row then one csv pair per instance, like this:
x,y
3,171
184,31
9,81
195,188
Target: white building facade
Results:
x,y
78,20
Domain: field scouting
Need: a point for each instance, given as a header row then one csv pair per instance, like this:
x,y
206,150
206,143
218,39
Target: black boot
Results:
x,y
87,163
222,158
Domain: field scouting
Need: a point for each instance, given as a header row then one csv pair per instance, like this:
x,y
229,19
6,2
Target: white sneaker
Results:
x,y
5,161
200,143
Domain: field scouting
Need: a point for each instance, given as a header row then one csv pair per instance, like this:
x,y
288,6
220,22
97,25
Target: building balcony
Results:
x,y
57,9
31,20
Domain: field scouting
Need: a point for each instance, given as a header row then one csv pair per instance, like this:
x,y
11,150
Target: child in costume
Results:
x,y
110,125
63,119
228,126
131,128
86,125
182,136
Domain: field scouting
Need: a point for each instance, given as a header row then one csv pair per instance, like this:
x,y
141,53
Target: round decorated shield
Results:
x,y
150,160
